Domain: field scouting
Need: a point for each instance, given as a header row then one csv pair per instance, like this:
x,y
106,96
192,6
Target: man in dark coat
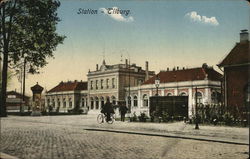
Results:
x,y
123,111
107,109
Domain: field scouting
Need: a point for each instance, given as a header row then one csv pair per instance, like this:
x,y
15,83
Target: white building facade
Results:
x,y
178,83
110,81
67,95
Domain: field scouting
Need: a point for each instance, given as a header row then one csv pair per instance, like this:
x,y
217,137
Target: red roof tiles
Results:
x,y
240,54
186,75
69,86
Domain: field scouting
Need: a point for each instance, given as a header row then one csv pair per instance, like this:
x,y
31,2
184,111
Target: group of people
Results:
x,y
108,109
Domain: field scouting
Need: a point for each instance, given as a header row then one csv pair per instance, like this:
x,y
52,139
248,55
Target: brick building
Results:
x,y
110,81
178,82
67,96
236,67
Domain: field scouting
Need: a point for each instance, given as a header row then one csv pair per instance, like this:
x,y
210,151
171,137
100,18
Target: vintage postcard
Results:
x,y
124,79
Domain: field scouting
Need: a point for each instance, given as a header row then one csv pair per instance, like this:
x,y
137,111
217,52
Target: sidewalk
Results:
x,y
223,134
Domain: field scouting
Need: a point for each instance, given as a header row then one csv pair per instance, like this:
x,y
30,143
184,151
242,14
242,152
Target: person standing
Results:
x,y
123,111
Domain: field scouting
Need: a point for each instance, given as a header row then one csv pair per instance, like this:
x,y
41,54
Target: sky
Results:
x,y
184,33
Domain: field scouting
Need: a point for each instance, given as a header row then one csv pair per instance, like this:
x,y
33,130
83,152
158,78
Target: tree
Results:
x,y
27,31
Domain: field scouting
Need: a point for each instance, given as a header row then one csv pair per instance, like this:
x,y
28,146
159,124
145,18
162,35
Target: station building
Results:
x,y
111,81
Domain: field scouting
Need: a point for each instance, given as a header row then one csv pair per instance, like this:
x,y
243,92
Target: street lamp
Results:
x,y
196,113
157,84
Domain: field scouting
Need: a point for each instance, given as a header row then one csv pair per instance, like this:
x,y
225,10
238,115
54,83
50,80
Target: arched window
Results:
x,y
145,100
58,102
96,103
129,101
64,103
135,101
113,99
102,102
169,94
91,103
183,94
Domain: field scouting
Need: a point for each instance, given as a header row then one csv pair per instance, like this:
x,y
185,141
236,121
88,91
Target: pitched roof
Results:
x,y
18,95
240,54
69,86
186,75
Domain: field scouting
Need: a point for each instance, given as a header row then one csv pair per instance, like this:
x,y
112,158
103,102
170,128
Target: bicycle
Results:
x,y
102,117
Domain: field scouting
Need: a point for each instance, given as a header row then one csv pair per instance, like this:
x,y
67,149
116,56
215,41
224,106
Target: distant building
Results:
x,y
110,81
236,82
178,82
14,102
67,96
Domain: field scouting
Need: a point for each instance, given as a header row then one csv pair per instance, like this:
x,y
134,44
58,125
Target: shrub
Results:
x,y
142,117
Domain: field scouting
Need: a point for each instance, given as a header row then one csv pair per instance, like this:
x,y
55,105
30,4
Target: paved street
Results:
x,y
60,137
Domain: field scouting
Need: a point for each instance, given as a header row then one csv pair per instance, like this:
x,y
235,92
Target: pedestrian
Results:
x,y
123,111
107,109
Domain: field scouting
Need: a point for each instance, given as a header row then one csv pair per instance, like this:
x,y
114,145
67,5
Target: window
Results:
x,y
102,84
83,102
96,84
96,103
113,99
145,100
102,102
169,94
135,101
199,97
113,82
91,85
129,101
64,103
58,102
91,103
70,103
107,83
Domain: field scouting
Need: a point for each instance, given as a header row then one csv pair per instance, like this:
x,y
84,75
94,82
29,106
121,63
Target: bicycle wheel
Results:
x,y
100,118
112,119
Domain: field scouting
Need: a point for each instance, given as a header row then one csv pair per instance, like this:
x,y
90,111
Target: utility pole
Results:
x,y
24,72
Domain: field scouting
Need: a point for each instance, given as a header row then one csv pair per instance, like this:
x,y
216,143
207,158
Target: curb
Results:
x,y
168,135
6,156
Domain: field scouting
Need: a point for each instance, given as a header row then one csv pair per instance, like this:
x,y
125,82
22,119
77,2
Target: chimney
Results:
x,y
96,67
146,68
126,63
244,36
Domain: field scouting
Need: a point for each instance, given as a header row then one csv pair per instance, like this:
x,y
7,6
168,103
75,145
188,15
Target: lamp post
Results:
x,y
157,84
196,113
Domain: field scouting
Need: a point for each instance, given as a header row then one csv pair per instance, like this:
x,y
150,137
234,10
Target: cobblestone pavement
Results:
x,y
64,138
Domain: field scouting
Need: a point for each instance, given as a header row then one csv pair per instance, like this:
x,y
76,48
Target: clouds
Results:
x,y
194,16
117,14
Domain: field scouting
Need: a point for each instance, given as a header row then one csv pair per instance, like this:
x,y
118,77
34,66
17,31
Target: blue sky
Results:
x,y
161,32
